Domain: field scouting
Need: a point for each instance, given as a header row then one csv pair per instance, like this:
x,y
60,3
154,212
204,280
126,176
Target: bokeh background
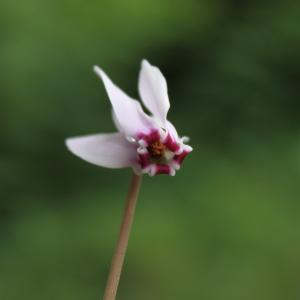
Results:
x,y
227,226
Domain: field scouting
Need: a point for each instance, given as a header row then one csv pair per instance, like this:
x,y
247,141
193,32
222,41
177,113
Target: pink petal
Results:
x,y
105,150
172,130
154,92
128,113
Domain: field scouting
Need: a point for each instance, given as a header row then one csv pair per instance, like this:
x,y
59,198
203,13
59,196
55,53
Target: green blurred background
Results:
x,y
227,226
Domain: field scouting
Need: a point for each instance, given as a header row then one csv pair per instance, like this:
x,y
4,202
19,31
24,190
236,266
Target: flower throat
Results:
x,y
156,149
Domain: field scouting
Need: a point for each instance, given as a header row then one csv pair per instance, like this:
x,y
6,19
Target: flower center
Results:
x,y
156,149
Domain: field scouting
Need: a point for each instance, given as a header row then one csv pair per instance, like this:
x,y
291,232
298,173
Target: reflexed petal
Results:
x,y
128,112
116,121
172,130
154,92
105,150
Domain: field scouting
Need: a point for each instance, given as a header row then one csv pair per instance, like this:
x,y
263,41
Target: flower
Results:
x,y
148,144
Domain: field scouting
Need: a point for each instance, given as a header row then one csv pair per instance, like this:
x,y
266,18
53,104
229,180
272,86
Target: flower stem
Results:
x,y
118,258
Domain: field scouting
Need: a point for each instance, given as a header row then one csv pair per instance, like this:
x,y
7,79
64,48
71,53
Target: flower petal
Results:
x,y
172,130
128,112
154,92
105,150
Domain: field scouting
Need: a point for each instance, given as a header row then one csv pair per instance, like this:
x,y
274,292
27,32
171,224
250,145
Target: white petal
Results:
x,y
172,130
116,121
154,92
128,112
105,150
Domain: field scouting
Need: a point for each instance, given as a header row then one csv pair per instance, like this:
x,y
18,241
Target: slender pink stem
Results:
x,y
118,258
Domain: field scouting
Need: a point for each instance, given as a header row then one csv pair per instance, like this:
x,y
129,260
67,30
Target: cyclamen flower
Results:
x,y
148,144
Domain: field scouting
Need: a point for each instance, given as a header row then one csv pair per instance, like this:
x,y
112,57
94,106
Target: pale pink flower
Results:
x,y
148,144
